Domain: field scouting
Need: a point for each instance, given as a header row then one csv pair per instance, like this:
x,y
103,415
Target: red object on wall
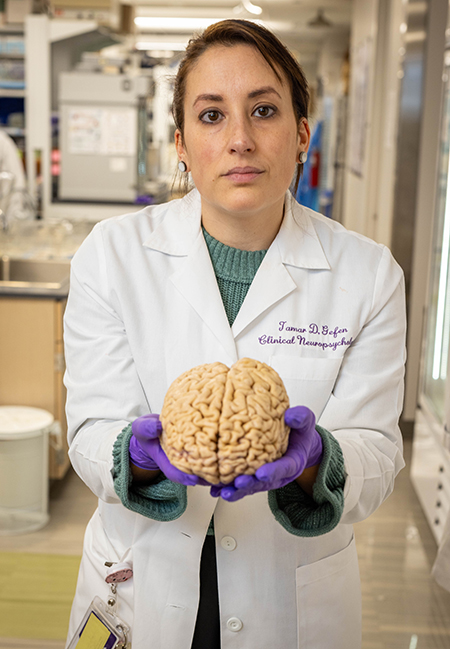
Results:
x,y
314,169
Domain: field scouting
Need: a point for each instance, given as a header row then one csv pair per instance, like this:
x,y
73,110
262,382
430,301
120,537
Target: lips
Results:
x,y
243,174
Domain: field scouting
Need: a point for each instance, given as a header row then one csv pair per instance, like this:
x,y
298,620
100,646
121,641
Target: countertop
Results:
x,y
42,240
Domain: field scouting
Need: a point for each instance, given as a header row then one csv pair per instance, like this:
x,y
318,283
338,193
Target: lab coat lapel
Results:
x,y
296,245
179,234
271,283
196,282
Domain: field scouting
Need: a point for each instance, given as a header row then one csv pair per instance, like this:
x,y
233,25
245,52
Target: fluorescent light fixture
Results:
x,y
251,8
173,24
439,367
154,45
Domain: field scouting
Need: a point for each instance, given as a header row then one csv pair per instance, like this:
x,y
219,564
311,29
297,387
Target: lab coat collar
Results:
x,y
179,229
179,234
297,240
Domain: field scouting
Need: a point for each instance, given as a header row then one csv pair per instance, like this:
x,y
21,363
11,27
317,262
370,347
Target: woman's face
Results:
x,y
241,138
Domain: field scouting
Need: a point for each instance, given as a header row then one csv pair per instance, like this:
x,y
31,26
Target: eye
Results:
x,y
210,116
264,111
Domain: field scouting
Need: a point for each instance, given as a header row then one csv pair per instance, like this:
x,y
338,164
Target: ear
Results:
x,y
181,151
304,135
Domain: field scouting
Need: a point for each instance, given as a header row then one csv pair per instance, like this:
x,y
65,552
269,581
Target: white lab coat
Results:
x,y
144,306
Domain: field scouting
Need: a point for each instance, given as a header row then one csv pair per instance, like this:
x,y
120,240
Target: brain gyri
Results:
x,y
221,422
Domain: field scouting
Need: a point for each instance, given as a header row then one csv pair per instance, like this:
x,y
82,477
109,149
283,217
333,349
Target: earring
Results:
x,y
303,157
182,166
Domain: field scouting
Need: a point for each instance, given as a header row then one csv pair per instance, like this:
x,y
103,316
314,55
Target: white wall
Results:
x,y
330,61
376,38
392,15
363,36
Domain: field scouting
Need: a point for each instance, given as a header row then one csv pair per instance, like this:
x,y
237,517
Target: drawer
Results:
x,y
430,476
442,497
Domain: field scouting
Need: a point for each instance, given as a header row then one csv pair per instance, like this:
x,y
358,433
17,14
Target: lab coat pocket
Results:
x,y
329,602
308,381
97,550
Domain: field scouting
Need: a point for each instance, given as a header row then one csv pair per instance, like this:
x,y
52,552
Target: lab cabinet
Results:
x,y
430,474
32,364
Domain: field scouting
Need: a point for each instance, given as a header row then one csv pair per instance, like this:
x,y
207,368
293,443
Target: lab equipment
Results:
x,y
103,136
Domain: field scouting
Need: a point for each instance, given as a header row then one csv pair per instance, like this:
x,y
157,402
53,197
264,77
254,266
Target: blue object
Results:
x,y
307,194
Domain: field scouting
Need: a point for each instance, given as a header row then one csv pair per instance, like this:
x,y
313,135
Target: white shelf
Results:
x,y
61,29
13,131
11,56
12,92
12,30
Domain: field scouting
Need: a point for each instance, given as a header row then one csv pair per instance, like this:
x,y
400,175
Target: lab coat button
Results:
x,y
228,543
234,624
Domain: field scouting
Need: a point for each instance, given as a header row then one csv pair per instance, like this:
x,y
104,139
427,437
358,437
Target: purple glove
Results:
x,y
305,449
146,452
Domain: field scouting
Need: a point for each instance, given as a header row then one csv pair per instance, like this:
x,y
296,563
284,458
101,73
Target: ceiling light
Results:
x,y
251,8
173,24
247,6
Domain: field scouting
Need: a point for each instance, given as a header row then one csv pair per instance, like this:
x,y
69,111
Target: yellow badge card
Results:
x,y
95,635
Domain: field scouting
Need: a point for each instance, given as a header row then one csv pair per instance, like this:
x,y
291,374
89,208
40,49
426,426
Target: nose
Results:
x,y
241,138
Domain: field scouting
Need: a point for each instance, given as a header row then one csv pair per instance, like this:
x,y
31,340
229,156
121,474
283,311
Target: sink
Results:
x,y
31,275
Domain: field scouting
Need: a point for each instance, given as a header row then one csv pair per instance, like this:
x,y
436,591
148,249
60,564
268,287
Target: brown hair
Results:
x,y
243,32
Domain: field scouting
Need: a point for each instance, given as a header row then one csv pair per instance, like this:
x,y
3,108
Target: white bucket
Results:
x,y
23,468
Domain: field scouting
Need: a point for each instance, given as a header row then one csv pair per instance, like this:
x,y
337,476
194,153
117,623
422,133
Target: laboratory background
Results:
x,y
86,133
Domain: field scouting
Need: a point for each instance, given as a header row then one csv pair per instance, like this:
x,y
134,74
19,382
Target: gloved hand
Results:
x,y
146,452
305,449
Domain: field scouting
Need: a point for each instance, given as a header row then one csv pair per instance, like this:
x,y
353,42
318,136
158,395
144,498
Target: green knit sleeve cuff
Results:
x,y
163,500
303,515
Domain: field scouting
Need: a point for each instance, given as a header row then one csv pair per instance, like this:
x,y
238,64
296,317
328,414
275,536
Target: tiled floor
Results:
x,y
403,608
71,505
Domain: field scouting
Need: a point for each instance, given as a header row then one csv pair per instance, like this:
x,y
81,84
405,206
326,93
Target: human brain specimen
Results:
x,y
221,422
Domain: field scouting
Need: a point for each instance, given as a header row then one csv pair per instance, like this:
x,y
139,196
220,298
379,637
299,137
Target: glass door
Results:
x,y
438,321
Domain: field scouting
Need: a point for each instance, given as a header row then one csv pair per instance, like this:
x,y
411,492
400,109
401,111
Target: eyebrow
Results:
x,y
265,90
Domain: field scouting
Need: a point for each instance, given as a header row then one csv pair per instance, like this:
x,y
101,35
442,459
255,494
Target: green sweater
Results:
x,y
297,512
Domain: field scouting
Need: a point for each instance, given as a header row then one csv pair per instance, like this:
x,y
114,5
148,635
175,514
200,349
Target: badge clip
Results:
x,y
101,627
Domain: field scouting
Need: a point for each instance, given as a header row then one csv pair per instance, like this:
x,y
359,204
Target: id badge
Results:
x,y
100,628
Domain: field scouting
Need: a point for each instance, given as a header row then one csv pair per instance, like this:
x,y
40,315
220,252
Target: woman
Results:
x,y
235,269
